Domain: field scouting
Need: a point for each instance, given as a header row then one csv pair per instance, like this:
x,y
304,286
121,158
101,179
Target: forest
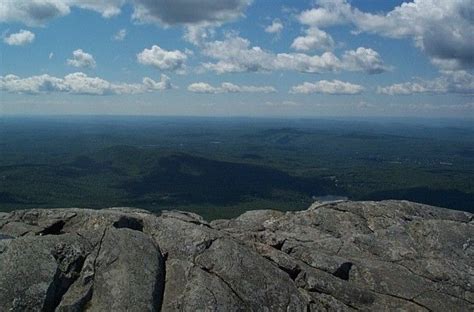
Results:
x,y
220,167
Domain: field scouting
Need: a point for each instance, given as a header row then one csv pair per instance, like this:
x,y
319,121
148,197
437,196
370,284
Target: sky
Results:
x,y
266,58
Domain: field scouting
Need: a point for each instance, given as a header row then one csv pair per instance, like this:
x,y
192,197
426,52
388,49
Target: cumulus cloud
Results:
x,y
449,82
20,38
364,59
31,85
327,87
275,27
163,59
235,54
328,13
227,87
202,87
120,35
81,59
442,29
78,83
403,88
163,84
315,39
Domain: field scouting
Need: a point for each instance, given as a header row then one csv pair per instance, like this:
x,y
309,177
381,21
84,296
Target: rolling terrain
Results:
x,y
221,167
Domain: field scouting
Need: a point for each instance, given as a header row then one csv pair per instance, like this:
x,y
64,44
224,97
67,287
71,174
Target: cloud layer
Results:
x,y
327,87
449,82
235,54
227,87
78,83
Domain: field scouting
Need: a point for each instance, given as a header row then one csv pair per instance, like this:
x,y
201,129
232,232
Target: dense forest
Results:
x,y
220,167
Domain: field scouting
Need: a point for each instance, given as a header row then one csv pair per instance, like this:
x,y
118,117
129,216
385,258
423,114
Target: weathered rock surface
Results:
x,y
344,256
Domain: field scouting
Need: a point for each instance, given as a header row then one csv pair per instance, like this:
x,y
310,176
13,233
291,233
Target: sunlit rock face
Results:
x,y
336,256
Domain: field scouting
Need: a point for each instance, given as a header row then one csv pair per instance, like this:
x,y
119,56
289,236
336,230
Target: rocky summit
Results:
x,y
340,256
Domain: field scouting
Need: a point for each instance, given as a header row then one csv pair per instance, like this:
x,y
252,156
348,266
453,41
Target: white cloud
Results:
x,y
364,59
78,83
315,39
275,27
20,38
449,82
235,54
34,84
227,87
163,59
202,87
120,35
327,87
404,88
327,62
163,84
442,29
107,8
81,59
330,13
198,34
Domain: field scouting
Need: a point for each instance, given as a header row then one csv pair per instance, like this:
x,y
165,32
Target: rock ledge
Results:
x,y
341,256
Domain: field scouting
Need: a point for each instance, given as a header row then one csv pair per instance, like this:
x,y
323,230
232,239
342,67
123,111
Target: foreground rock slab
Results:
x,y
341,256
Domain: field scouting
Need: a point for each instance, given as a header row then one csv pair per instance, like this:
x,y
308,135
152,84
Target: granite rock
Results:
x,y
338,256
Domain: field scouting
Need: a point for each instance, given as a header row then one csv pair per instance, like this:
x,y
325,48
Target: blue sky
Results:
x,y
237,57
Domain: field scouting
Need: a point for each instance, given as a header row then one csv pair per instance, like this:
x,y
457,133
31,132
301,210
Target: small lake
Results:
x,y
329,198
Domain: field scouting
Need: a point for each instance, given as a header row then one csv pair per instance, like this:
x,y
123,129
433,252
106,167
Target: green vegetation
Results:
x,y
222,167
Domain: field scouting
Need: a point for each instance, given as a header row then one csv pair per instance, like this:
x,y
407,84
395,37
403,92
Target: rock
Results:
x,y
336,256
191,288
128,273
34,274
